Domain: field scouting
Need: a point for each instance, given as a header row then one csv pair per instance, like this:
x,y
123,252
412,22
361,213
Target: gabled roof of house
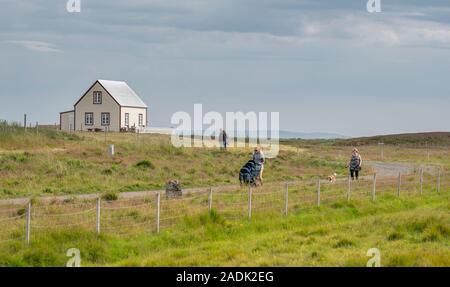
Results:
x,y
122,93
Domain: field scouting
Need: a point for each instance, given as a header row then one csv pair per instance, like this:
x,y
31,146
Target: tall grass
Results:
x,y
410,231
13,136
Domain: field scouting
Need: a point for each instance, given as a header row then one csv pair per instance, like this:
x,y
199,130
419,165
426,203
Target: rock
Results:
x,y
173,189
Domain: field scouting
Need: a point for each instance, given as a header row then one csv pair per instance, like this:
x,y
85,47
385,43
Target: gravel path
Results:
x,y
390,168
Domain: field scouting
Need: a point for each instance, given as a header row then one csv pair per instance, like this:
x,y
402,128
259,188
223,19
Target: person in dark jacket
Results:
x,y
355,164
223,138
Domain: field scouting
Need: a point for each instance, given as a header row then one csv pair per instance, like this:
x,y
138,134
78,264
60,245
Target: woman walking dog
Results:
x,y
355,164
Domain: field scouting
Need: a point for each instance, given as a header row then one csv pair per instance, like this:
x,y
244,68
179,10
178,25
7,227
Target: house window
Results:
x,y
105,119
89,119
127,119
141,120
97,97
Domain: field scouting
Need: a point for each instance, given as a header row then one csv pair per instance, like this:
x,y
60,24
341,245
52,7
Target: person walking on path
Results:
x,y
355,164
223,138
259,158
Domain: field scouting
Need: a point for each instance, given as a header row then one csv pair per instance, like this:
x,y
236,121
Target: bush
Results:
x,y
21,211
343,243
110,196
395,236
107,171
145,164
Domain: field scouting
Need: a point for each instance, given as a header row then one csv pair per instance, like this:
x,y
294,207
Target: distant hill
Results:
x,y
307,136
431,138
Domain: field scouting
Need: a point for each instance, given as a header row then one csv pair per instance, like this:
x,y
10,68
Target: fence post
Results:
x,y
158,210
318,192
439,181
374,189
249,203
381,150
399,183
210,198
349,188
28,223
421,181
98,215
286,198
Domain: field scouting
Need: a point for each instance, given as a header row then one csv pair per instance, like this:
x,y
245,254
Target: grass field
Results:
x,y
51,163
413,230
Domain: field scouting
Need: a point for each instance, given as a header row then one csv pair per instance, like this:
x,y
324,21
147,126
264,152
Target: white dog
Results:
x,y
332,178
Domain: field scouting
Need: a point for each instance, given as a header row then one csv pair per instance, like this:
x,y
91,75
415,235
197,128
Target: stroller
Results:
x,y
249,173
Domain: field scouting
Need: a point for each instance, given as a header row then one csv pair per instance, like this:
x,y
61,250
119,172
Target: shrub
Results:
x,y
110,196
21,211
47,190
145,164
343,243
107,171
395,236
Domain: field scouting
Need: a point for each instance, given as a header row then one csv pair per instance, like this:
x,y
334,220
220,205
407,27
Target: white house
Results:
x,y
107,105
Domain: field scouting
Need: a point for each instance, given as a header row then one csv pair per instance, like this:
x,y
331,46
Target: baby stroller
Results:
x,y
249,173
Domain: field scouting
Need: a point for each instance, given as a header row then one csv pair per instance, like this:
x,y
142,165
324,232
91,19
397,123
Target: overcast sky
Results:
x,y
327,66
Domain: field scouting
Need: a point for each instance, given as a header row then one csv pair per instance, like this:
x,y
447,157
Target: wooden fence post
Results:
x,y
421,180
399,183
249,203
98,215
374,188
439,181
28,223
349,188
286,199
210,198
318,192
158,210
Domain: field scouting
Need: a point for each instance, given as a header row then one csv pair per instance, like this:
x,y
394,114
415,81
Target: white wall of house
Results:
x,y
133,117
67,121
108,105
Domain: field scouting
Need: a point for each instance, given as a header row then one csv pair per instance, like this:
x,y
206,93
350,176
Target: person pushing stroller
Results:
x,y
259,159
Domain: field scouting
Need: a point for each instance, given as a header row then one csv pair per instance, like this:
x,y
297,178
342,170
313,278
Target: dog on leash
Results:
x,y
332,178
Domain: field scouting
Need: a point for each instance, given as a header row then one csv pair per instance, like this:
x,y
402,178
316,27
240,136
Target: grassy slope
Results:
x,y
57,163
52,162
413,231
408,231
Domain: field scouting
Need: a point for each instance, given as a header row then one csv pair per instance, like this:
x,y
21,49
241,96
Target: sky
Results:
x,y
325,66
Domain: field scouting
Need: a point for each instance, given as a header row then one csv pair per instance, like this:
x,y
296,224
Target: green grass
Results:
x,y
413,231
410,231
55,163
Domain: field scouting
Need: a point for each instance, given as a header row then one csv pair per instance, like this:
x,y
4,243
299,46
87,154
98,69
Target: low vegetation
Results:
x,y
411,231
48,162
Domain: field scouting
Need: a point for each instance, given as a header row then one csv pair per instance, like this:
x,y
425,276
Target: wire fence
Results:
x,y
155,212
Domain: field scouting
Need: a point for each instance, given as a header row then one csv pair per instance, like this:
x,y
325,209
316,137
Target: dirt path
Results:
x,y
40,150
381,168
131,194
390,168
